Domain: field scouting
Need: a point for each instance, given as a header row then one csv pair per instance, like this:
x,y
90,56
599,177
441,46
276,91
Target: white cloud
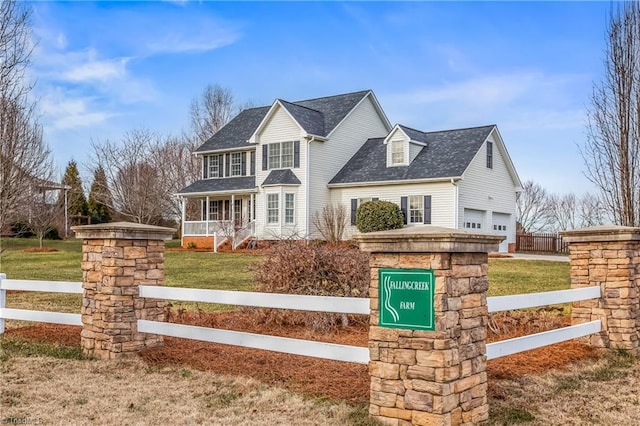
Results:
x,y
62,112
97,70
189,41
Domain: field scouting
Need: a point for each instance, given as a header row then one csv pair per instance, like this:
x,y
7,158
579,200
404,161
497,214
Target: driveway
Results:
x,y
532,256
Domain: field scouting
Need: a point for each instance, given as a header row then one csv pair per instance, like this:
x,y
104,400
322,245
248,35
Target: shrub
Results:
x,y
295,267
21,230
52,234
379,216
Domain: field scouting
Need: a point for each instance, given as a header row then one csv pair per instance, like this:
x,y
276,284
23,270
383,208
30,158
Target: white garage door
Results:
x,y
501,223
473,220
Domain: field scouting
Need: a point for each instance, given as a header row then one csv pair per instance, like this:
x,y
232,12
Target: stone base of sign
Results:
x,y
432,377
116,259
608,257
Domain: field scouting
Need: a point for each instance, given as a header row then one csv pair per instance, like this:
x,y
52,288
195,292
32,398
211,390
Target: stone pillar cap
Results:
x,y
123,231
428,239
601,233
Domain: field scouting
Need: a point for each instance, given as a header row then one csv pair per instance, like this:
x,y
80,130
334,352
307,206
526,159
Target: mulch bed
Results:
x,y
39,250
319,377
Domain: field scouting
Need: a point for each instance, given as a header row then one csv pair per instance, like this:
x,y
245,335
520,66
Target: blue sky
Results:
x,y
102,69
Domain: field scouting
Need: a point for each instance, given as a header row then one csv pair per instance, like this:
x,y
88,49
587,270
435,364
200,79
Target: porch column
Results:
x,y
233,210
206,225
184,219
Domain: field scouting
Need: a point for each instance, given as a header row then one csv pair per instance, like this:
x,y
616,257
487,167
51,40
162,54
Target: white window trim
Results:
x,y
267,208
281,155
409,209
293,209
238,156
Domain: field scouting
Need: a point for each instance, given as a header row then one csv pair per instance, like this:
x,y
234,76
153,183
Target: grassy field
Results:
x,y
223,271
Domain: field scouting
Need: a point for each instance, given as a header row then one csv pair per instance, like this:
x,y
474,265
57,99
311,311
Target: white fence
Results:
x,y
346,305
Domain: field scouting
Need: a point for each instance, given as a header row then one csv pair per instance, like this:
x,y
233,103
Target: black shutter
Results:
x,y
227,164
403,207
265,157
252,168
354,210
220,165
203,204
243,172
205,167
296,154
375,199
427,210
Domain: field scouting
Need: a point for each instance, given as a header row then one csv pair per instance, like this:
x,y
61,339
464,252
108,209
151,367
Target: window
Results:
x,y
499,227
274,156
214,210
289,209
273,210
361,201
214,166
287,154
416,209
397,152
473,225
490,155
236,163
237,212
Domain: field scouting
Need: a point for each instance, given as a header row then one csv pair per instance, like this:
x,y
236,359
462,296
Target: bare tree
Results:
x,y
210,111
533,207
569,211
331,222
612,150
44,210
24,157
591,211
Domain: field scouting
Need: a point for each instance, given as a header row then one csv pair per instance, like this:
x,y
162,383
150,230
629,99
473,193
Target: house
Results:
x,y
270,169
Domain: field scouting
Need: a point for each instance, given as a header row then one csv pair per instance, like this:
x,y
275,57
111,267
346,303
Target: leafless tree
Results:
x,y
24,157
569,211
591,211
331,222
533,207
44,210
612,150
210,111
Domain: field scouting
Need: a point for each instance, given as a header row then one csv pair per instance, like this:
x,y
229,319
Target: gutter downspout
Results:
x,y
306,191
456,194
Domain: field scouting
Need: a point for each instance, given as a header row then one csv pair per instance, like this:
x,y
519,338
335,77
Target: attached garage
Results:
x,y
474,219
501,223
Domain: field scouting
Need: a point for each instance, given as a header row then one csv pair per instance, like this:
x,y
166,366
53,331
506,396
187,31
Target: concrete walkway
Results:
x,y
532,256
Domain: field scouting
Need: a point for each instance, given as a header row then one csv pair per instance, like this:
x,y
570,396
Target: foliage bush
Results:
x,y
295,267
379,216
21,230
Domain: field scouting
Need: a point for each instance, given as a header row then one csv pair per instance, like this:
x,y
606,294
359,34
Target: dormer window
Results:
x,y
397,152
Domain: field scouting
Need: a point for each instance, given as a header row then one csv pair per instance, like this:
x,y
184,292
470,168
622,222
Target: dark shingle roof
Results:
x,y
220,185
447,154
316,116
236,132
281,177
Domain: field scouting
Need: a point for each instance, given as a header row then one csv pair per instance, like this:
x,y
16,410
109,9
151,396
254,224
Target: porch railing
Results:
x,y
243,233
203,228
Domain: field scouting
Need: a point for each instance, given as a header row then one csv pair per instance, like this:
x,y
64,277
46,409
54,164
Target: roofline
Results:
x,y
280,184
393,182
512,169
400,127
223,150
205,193
376,105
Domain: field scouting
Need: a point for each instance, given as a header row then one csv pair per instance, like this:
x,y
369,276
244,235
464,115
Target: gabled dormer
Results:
x,y
403,145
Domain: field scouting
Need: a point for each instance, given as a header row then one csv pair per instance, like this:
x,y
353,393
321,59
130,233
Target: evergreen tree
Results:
x,y
76,201
99,198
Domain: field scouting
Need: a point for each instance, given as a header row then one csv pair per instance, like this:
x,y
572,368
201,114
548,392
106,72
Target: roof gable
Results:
x,y
281,177
237,132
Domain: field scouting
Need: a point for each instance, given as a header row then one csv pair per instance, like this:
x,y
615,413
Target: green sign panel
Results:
x,y
406,299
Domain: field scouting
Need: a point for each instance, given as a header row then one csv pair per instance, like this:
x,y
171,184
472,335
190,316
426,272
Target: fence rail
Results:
x,y
541,243
349,305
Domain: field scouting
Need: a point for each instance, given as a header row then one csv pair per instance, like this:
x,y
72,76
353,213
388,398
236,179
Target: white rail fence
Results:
x,y
345,305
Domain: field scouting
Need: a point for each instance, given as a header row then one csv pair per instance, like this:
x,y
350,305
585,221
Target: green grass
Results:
x,y
222,271
515,276
15,346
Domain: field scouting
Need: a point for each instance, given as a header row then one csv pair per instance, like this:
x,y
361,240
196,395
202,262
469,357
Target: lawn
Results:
x,y
223,271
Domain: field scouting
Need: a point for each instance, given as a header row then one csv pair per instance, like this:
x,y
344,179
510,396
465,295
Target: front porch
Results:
x,y
208,221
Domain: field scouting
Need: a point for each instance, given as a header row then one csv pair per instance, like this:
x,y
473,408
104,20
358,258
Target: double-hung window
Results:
x,y
287,154
289,209
274,156
273,209
214,167
236,163
397,152
416,209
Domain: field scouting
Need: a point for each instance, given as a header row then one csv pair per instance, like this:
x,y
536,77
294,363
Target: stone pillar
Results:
x,y
432,377
116,259
609,257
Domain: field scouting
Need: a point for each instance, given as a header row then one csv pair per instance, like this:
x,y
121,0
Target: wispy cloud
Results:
x,y
97,70
63,112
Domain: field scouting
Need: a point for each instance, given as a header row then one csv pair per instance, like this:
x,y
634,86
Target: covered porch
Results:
x,y
210,220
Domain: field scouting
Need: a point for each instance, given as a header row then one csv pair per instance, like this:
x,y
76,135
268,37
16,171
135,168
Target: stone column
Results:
x,y
116,259
432,377
609,257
